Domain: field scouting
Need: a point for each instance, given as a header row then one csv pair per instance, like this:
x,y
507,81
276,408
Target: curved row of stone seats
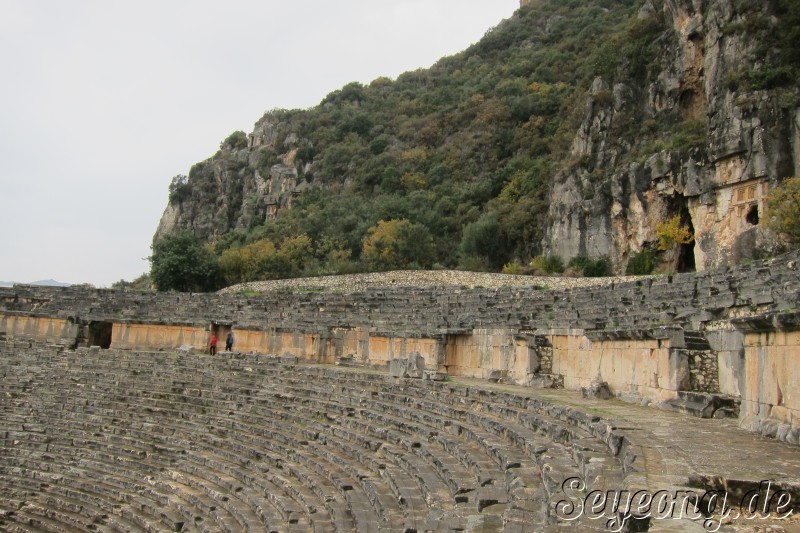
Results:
x,y
557,423
540,435
158,406
116,475
403,448
460,474
333,409
75,508
189,485
189,428
305,422
113,422
160,403
346,448
598,467
594,456
639,304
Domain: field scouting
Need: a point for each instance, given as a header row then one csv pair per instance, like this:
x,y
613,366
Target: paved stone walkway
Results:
x,y
683,452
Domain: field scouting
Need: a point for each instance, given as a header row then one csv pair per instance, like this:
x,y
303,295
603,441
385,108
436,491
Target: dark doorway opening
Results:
x,y
100,334
686,260
752,216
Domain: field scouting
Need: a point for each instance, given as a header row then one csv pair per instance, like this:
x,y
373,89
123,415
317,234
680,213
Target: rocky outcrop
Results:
x,y
611,201
689,123
239,187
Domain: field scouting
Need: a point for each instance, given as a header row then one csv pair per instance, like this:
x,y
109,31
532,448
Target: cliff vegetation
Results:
x,y
567,136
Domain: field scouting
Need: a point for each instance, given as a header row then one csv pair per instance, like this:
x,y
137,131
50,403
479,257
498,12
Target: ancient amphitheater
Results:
x,y
436,408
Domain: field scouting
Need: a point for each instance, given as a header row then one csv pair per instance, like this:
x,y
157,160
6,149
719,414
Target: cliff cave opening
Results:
x,y
686,260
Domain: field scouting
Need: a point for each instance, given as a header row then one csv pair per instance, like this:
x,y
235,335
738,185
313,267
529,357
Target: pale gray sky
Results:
x,y
103,101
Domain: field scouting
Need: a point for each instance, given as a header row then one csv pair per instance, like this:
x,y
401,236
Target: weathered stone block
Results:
x,y
434,375
597,389
416,365
496,376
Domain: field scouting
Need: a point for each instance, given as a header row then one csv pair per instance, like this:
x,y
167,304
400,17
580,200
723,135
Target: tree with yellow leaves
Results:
x,y
397,244
783,211
672,233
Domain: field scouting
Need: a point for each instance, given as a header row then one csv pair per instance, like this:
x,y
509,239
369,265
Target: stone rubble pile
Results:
x,y
422,278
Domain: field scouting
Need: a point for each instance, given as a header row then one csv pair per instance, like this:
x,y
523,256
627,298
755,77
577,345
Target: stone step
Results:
x,y
143,517
363,450
424,434
139,464
696,340
86,492
92,517
42,517
150,502
703,405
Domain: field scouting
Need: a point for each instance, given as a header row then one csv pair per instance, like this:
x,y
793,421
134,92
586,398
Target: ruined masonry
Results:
x,y
446,410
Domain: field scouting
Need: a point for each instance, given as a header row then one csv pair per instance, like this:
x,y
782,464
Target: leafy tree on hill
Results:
x,y
398,244
180,262
783,214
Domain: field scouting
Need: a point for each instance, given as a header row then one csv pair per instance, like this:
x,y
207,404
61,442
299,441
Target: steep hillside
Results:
x,y
574,128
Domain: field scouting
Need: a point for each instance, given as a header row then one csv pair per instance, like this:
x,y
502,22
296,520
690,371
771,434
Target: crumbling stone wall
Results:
x,y
703,371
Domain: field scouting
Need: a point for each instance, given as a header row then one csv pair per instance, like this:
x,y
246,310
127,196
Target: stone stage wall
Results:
x,y
716,343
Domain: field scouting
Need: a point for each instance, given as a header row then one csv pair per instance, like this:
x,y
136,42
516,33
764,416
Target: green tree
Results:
x,y
485,241
297,251
642,263
179,189
393,244
235,141
238,265
782,213
180,262
591,268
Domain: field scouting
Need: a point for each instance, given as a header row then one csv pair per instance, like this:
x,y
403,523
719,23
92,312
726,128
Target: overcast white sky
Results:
x,y
103,101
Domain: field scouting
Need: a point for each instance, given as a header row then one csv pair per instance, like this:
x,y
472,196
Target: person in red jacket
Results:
x,y
213,348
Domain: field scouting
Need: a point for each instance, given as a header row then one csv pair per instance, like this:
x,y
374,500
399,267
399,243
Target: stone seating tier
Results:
x,y
161,441
687,300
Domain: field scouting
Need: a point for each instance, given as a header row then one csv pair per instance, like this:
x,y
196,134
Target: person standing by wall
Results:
x,y
213,347
229,342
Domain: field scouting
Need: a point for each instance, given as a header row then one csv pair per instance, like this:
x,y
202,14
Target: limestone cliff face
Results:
x,y
683,133
238,187
749,143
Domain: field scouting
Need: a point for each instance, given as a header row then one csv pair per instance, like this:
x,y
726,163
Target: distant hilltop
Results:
x,y
42,282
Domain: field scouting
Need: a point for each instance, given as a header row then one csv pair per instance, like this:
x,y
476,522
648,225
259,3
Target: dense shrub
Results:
x,y
398,244
642,263
179,189
591,268
484,239
551,264
235,141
